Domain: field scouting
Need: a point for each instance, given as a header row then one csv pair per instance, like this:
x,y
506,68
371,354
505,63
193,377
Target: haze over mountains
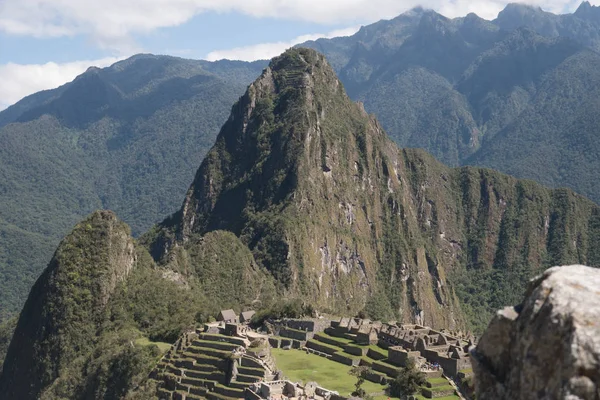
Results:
x,y
302,199
470,91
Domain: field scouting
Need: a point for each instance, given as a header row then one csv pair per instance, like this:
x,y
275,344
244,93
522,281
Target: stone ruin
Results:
x,y
287,390
427,347
219,361
294,333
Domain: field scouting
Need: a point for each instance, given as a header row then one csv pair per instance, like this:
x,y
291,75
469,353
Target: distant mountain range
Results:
x,y
127,138
518,94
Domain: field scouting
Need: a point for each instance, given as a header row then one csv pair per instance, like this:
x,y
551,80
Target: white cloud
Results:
x,y
264,51
111,23
20,80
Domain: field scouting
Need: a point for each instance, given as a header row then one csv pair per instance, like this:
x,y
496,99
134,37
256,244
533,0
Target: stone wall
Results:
x,y
292,333
399,356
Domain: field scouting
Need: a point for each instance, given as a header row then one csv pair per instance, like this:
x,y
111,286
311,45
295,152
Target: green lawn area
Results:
x,y
435,381
299,366
147,342
339,339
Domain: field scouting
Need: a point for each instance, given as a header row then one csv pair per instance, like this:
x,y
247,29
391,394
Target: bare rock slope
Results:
x,y
548,347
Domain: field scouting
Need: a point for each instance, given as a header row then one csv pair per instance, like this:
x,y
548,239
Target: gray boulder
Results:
x,y
549,346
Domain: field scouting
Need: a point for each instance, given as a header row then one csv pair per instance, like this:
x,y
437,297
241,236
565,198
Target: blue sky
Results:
x,y
45,43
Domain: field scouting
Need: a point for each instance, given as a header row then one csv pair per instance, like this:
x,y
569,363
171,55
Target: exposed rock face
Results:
x,y
548,347
347,221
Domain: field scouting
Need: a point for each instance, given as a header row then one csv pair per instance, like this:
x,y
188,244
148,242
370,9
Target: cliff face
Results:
x,y
346,220
67,304
549,346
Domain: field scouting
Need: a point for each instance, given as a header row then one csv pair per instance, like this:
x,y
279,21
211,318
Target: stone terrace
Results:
x,y
386,349
215,366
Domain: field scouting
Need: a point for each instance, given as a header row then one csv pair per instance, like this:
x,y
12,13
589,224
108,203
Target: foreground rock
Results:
x,y
548,347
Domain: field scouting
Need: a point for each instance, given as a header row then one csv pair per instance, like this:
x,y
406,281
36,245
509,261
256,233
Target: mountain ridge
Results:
x,y
106,140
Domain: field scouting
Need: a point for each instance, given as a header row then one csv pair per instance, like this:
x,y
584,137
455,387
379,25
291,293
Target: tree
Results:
x,y
408,380
360,372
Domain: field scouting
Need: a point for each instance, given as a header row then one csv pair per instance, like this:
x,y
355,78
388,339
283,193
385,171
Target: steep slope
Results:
x,y
347,221
450,86
67,305
555,139
125,137
84,331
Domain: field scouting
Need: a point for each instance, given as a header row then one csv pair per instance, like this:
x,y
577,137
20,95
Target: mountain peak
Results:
x,y
271,131
67,303
515,14
588,11
584,6
294,67
521,8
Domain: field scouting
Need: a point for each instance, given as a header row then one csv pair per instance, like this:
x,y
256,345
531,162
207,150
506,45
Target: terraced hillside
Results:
x,y
347,351
213,366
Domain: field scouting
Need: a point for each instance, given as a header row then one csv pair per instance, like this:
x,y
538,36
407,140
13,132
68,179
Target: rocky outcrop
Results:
x,y
549,346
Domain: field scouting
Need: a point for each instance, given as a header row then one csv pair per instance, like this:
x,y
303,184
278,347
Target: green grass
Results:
x,y
440,388
435,381
452,397
163,347
299,366
342,341
378,349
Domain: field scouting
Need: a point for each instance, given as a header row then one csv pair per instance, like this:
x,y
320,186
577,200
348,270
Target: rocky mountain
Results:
x,y
547,345
507,94
127,137
347,221
303,198
517,94
583,25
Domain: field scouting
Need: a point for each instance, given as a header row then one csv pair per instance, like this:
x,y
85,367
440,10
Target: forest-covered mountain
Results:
x,y
517,94
321,207
126,138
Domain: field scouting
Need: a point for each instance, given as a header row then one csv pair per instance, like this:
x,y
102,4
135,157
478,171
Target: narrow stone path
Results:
x,y
458,392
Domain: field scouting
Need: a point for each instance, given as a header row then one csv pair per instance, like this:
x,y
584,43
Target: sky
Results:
x,y
46,43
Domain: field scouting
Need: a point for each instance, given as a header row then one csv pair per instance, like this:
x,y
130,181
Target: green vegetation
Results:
x,y
302,197
360,372
521,103
300,366
108,313
349,200
162,346
7,329
408,381
126,138
129,137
